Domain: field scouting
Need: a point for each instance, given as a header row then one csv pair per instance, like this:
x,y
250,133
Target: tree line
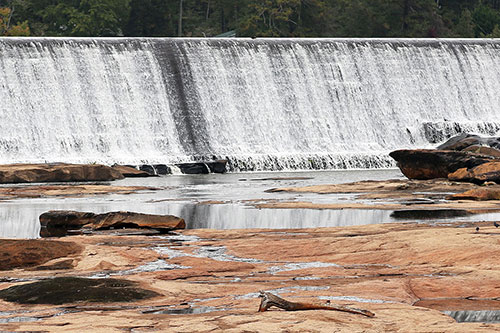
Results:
x,y
249,18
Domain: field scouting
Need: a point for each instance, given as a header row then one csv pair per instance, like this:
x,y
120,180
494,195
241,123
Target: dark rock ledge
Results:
x,y
58,223
465,157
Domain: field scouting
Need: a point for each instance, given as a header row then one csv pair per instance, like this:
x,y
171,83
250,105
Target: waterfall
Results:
x,y
263,104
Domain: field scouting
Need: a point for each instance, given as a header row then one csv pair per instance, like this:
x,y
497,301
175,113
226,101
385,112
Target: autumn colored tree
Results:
x,y
247,18
9,29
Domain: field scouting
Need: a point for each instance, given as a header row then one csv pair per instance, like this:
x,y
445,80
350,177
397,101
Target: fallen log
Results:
x,y
269,300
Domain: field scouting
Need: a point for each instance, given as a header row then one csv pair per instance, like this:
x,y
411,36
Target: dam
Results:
x,y
262,104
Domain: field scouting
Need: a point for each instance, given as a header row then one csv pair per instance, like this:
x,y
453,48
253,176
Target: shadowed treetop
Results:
x,y
248,18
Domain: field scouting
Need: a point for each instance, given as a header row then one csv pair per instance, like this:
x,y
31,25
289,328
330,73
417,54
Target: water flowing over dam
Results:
x,y
263,104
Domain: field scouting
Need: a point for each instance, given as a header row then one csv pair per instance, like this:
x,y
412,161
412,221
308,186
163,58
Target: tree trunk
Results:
x,y
179,29
269,300
406,10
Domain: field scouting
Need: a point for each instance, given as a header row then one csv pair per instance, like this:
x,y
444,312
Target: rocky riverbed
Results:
x,y
116,277
206,280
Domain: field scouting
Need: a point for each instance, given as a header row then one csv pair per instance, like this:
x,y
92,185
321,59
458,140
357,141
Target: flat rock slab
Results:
x,y
53,222
482,194
63,290
17,253
38,191
397,194
56,172
210,279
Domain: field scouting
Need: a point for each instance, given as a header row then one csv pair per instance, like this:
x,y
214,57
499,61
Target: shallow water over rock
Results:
x,y
223,202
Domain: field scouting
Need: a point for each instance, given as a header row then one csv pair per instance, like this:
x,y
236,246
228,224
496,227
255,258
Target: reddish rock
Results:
x,y
477,194
487,172
17,253
429,164
57,172
129,172
137,220
55,223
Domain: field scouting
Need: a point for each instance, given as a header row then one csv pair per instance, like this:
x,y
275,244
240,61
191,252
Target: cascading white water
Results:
x,y
265,104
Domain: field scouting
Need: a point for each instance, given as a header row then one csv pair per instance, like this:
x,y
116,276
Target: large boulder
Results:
x,y
56,172
429,163
57,223
486,172
464,140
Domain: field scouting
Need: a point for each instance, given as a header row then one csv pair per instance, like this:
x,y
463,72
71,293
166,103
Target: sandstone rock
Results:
x,y
137,220
429,164
461,174
130,172
58,172
54,190
477,194
17,253
56,223
487,172
384,268
487,151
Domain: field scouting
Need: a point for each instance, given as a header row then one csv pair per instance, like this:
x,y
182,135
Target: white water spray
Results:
x,y
265,104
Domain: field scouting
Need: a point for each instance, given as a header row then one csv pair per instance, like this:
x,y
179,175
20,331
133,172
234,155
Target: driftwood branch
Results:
x,y
269,300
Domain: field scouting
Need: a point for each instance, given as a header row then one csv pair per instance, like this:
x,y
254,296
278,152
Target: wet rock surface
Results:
x,y
425,214
423,195
56,223
203,167
56,172
209,280
62,290
38,191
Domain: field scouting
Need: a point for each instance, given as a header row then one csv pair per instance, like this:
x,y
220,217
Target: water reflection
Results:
x,y
181,196
20,220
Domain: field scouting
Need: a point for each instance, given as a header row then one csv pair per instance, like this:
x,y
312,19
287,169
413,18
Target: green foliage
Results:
x,y
485,18
495,33
465,26
260,18
74,17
